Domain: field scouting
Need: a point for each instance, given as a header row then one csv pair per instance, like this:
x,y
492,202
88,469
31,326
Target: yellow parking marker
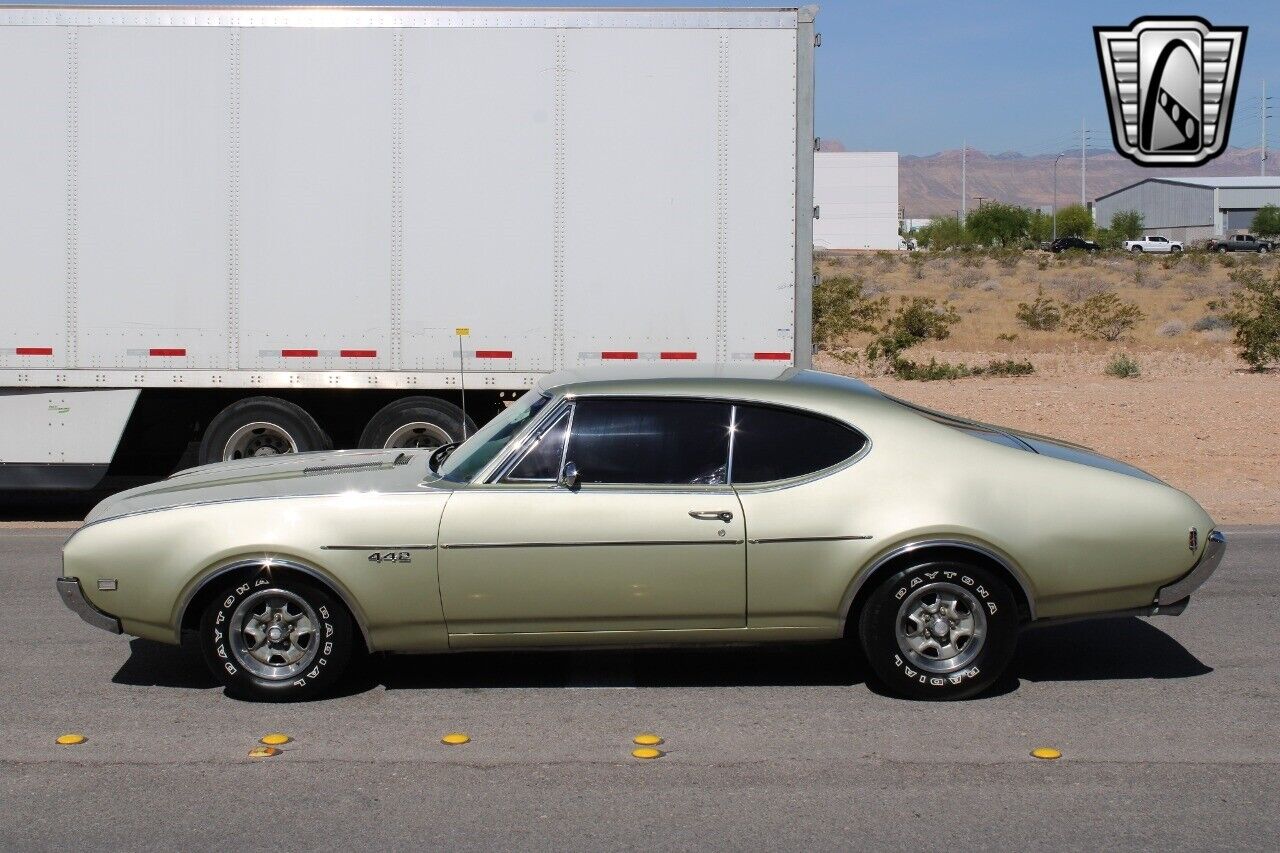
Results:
x,y
455,739
647,740
1046,752
71,740
274,739
646,752
263,752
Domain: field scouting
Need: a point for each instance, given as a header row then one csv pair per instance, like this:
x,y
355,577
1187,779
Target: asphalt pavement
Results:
x,y
1167,726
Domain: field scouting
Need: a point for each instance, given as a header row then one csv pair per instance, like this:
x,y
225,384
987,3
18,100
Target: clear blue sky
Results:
x,y
1007,75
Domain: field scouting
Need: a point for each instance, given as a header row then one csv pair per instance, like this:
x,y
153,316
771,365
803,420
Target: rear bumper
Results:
x,y
1214,550
73,596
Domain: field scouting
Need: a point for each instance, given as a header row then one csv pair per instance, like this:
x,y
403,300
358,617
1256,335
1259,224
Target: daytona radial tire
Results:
x,y
887,625
322,629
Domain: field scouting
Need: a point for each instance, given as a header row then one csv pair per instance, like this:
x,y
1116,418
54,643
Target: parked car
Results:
x,y
1062,244
605,510
1153,243
1241,243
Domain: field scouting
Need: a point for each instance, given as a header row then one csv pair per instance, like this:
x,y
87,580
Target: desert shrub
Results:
x,y
1007,367
1171,260
1007,258
1141,263
1042,315
917,319
1008,338
841,308
1210,322
1076,289
967,279
1103,317
1197,260
1172,329
1042,262
1197,290
989,286
1226,260
942,370
931,372
915,261
885,259
1123,367
1253,310
973,259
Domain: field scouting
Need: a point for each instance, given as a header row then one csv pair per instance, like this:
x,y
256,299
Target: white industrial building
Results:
x,y
856,193
1191,208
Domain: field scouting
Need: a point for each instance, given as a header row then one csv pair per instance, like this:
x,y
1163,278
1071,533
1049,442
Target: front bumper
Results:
x,y
1180,589
73,597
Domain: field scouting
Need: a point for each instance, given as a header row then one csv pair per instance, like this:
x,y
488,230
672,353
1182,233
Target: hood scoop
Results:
x,y
401,459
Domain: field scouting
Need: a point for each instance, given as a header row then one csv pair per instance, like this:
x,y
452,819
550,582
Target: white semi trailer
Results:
x,y
229,232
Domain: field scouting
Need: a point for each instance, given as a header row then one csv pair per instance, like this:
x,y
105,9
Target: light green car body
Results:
x,y
477,565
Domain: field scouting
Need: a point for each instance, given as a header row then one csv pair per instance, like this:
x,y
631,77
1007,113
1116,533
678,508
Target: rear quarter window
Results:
x,y
778,444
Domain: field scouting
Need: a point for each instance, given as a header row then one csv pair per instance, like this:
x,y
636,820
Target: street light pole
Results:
x,y
1055,196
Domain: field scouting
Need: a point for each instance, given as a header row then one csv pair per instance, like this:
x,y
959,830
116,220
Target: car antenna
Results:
x,y
462,332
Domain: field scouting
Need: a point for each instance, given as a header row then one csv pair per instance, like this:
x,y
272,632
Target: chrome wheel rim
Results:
x,y
274,634
941,627
258,439
417,434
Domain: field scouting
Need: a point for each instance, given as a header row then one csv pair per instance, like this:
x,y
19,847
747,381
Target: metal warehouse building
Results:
x,y
1191,208
856,193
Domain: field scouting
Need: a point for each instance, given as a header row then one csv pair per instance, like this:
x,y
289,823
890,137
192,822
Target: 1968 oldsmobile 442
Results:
x,y
721,507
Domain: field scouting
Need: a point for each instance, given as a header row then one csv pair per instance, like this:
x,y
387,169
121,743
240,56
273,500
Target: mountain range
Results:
x,y
930,185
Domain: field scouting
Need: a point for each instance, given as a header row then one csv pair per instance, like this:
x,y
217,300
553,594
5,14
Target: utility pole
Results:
x,y
1055,194
1264,128
964,180
1083,136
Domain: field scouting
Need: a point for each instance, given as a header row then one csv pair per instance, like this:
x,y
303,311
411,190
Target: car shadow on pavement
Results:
x,y
739,666
153,664
1103,649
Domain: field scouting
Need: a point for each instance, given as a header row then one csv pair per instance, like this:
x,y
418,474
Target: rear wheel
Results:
x,y
1137,250
261,426
277,639
939,630
416,422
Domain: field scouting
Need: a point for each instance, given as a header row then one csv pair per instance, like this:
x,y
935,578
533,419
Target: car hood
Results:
x,y
291,475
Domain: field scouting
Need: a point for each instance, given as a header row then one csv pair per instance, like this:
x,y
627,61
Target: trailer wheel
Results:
x,y
261,426
416,422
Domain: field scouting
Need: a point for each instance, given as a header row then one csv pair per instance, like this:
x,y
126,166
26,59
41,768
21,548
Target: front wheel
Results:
x,y
277,639
939,630
1222,250
1262,250
1175,249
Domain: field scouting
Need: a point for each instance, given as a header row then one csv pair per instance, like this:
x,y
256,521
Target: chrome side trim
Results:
x,y
377,547
73,596
602,544
1215,547
330,583
806,539
918,545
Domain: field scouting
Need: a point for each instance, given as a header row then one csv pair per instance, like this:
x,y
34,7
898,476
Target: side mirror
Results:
x,y
569,476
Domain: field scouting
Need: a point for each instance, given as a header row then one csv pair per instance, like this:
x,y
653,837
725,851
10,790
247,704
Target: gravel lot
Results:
x,y
1167,729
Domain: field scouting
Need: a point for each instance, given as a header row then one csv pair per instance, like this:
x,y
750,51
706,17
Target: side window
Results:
x,y
541,462
776,444
650,441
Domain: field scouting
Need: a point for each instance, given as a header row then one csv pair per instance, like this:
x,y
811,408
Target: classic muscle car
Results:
x,y
725,507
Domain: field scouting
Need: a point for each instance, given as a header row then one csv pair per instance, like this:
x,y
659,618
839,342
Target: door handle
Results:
x,y
712,515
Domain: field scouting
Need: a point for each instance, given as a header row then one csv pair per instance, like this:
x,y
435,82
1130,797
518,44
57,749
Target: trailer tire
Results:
x,y
416,422
261,426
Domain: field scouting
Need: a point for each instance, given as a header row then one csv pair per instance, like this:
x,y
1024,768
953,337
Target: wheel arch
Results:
x,y
199,593
914,551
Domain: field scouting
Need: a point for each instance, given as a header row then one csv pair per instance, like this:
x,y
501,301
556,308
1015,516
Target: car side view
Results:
x,y
721,506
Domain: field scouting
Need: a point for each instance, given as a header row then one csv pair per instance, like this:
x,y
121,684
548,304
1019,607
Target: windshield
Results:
x,y
478,451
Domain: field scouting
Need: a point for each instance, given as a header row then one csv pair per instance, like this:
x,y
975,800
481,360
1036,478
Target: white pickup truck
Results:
x,y
1153,243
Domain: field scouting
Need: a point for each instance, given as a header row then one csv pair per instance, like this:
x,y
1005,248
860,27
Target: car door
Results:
x,y
807,514
650,538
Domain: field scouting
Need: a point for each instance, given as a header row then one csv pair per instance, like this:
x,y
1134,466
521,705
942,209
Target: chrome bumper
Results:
x,y
1180,589
73,597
